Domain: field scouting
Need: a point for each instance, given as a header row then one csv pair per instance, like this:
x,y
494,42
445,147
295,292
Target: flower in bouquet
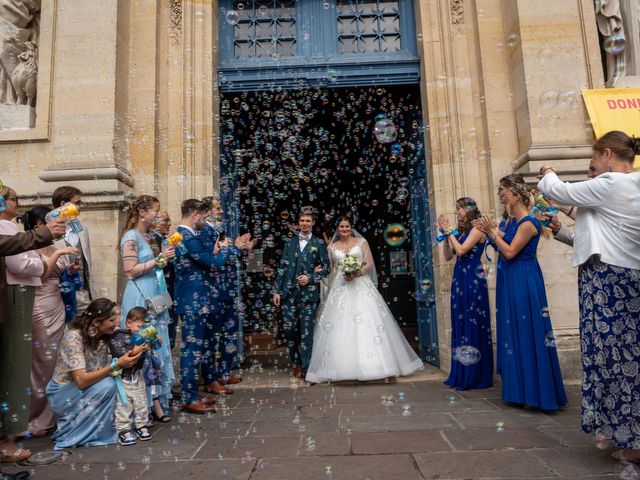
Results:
x,y
350,264
175,239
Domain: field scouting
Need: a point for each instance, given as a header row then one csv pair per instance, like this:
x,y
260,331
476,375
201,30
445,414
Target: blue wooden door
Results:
x,y
266,45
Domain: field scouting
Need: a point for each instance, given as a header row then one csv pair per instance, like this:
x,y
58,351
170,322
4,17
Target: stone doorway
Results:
x,y
284,150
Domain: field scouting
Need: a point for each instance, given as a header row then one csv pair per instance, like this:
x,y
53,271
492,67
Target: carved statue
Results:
x,y
610,25
619,24
19,30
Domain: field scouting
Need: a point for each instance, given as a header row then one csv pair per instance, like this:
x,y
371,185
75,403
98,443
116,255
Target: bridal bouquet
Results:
x,y
350,264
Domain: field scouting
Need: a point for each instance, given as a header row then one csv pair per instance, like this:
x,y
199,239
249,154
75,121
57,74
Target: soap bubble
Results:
x,y
395,234
614,44
451,399
262,10
550,339
467,355
481,273
512,40
232,17
601,442
327,327
545,312
630,472
26,337
332,74
499,427
66,287
4,407
549,99
406,410
385,130
377,340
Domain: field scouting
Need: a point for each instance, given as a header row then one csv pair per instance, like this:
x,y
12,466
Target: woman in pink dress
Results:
x,y
48,324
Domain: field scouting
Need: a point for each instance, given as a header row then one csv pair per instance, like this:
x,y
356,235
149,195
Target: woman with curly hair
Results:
x,y
471,347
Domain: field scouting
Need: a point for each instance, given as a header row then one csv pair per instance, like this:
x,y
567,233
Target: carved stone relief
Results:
x,y
456,8
19,34
619,26
175,21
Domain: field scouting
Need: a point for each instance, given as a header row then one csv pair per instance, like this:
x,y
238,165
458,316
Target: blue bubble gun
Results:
x,y
148,334
543,206
441,238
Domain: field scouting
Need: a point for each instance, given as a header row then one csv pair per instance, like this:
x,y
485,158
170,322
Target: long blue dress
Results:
x,y
530,368
146,286
504,224
470,323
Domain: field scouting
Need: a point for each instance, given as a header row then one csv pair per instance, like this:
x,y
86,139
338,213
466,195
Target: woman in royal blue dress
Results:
x,y
530,368
471,346
505,184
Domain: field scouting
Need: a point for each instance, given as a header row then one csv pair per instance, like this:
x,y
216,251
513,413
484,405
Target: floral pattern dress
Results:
x,y
610,344
85,416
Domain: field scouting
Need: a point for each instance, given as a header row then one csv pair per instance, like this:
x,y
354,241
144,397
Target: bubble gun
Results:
x,y
175,240
148,334
543,206
3,203
69,214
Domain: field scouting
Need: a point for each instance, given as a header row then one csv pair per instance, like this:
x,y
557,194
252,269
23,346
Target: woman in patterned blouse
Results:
x,y
82,390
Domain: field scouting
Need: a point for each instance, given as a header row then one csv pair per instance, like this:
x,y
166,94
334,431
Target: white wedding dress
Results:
x,y
356,336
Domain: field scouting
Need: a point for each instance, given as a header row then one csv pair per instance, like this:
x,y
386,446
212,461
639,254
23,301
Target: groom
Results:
x,y
297,287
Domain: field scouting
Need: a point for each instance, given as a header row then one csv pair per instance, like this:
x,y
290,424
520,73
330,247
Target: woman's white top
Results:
x,y
608,218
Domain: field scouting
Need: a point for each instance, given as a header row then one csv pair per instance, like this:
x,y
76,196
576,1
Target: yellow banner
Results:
x,y
614,109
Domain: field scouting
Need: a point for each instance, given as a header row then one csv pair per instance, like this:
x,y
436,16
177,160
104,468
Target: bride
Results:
x,y
356,336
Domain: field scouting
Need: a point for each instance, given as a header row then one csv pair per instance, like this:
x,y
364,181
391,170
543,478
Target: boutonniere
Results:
x,y
313,249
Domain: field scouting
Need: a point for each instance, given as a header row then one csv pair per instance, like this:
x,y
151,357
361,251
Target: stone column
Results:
x,y
553,55
455,134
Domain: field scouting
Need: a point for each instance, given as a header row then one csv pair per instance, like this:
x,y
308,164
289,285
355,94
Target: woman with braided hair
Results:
x,y
530,369
82,391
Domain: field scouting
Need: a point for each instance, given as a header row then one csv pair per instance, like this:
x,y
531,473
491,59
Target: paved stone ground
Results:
x,y
275,427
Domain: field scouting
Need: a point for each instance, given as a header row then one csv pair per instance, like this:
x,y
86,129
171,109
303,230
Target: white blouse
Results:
x,y
608,218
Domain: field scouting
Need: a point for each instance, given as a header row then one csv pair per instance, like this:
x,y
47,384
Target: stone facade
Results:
x,y
127,104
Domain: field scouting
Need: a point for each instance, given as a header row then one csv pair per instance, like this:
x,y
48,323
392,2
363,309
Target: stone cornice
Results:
x,y
86,173
537,153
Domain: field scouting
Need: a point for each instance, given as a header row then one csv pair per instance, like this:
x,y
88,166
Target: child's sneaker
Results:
x,y
143,433
127,438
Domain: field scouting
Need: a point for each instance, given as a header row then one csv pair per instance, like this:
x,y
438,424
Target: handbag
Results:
x,y
158,303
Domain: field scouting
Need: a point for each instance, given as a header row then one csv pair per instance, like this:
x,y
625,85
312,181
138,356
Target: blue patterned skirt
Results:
x,y
610,344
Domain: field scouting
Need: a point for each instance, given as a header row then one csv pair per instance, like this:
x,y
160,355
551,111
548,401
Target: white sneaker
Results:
x,y
143,433
126,438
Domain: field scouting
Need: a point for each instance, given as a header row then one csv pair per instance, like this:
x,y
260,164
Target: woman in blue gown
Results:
x,y
471,346
82,391
530,368
505,183
141,266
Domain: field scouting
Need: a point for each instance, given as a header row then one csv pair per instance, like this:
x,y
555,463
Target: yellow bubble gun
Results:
x,y
68,213
175,240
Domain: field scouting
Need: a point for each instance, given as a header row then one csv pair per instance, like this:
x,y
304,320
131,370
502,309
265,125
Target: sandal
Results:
x,y
18,455
163,419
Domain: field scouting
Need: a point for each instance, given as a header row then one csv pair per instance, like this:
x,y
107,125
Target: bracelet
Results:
x,y
448,231
161,261
115,370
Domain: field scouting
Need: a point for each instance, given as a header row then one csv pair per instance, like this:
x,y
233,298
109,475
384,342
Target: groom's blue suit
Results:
x,y
299,303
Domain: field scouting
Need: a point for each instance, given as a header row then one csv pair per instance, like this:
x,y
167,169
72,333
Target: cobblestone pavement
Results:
x,y
275,427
